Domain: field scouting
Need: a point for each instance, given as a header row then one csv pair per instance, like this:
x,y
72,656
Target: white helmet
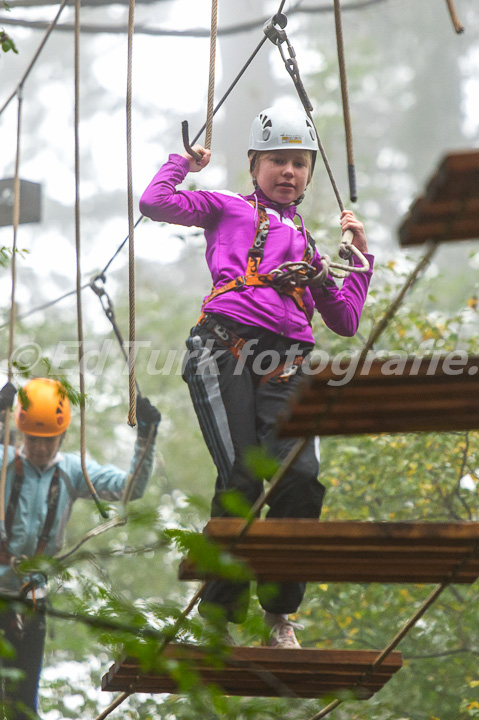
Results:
x,y
278,128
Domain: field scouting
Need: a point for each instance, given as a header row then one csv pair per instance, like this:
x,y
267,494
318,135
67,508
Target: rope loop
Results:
x,y
293,274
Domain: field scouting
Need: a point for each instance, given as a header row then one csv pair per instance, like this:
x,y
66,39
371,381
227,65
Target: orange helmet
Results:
x,y
48,410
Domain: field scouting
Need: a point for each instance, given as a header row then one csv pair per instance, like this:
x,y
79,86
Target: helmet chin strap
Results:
x,y
298,201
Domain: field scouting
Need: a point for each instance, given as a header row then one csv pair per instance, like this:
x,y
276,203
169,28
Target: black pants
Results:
x,y
28,641
237,403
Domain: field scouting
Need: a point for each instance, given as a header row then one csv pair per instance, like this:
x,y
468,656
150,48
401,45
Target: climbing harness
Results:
x,y
276,279
233,342
290,278
6,557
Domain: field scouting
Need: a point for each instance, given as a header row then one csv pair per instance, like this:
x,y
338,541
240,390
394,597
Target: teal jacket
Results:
x,y
108,480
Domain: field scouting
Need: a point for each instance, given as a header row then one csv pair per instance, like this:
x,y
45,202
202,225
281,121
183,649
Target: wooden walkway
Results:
x,y
265,672
430,394
308,550
449,208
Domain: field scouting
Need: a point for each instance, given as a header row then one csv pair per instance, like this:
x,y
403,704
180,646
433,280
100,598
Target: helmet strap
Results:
x,y
298,201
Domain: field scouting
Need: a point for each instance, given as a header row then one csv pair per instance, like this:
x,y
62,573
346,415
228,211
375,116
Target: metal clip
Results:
x,y
270,29
102,295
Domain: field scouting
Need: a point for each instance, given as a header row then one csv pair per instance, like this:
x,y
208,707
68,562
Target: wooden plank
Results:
x,y
449,208
430,394
457,176
422,229
264,672
299,549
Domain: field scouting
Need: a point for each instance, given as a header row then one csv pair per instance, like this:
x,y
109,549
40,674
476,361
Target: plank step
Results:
x,y
428,394
347,551
264,672
449,209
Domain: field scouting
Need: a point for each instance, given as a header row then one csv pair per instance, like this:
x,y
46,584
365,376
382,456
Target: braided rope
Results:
x,y
131,225
345,100
211,80
458,26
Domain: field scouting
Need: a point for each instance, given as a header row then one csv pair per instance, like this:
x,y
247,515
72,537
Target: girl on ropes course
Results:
x,y
41,486
247,350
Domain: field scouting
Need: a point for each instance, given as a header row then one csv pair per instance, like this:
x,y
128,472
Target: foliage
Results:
x,y
128,577
6,42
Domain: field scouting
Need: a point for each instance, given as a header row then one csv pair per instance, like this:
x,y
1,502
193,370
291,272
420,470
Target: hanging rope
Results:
x,y
458,26
78,263
210,110
11,333
131,226
211,78
353,194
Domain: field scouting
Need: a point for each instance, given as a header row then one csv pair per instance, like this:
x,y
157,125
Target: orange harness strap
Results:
x,y
253,279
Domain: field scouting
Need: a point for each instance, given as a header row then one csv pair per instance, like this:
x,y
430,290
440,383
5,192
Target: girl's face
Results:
x,y
41,450
283,174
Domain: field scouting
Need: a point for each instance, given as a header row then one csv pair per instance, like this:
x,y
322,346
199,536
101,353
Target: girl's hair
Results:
x,y
255,157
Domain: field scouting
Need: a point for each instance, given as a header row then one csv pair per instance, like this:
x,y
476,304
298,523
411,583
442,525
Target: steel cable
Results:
x,y
86,476
131,226
11,329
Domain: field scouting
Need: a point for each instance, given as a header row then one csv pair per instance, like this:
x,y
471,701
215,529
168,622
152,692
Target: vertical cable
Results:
x,y
131,226
11,330
78,263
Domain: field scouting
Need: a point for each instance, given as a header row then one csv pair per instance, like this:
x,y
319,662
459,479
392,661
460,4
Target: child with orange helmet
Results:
x,y
41,486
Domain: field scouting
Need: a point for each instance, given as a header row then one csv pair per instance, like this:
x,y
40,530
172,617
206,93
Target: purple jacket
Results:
x,y
229,221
